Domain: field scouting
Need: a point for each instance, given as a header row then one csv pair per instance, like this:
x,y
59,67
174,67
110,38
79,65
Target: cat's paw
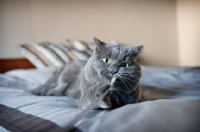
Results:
x,y
118,99
39,91
42,90
105,103
54,92
101,89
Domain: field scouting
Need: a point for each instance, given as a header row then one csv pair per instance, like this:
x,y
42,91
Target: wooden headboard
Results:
x,y
10,64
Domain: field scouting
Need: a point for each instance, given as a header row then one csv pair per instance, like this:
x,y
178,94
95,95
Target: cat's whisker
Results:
x,y
125,84
126,73
129,74
129,83
133,72
132,80
127,78
123,74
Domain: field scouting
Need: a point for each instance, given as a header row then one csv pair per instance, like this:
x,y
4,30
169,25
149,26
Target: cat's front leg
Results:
x,y
103,89
93,93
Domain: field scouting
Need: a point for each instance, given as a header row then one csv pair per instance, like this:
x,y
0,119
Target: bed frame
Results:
x,y
17,63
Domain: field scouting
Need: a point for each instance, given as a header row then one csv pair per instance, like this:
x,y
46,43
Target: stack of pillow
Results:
x,y
45,54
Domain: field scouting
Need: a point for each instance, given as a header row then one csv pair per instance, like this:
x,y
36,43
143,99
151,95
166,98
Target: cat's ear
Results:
x,y
137,50
98,45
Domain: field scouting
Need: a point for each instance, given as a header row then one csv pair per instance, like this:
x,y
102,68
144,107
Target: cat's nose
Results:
x,y
114,69
114,72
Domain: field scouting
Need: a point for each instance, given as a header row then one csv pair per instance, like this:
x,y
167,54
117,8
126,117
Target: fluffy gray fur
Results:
x,y
87,80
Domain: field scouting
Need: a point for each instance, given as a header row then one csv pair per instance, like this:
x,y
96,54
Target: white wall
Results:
x,y
188,21
151,23
15,26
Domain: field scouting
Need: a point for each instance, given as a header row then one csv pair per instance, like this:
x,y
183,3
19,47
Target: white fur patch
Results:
x,y
113,80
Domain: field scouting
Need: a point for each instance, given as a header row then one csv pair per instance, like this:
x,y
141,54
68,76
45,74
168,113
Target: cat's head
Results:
x,y
113,61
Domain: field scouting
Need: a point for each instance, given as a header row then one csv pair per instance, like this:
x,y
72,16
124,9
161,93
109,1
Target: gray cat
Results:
x,y
86,80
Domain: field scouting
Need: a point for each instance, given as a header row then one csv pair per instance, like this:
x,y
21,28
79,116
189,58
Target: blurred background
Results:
x,y
168,29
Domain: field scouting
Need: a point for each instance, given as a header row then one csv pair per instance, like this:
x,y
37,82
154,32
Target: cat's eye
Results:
x,y
105,60
124,65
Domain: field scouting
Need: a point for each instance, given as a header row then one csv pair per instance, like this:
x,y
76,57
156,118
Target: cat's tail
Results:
x,y
152,93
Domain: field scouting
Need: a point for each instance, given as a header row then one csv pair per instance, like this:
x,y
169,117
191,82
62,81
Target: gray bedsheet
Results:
x,y
180,112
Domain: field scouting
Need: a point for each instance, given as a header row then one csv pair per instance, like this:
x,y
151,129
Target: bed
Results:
x,y
172,103
180,112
